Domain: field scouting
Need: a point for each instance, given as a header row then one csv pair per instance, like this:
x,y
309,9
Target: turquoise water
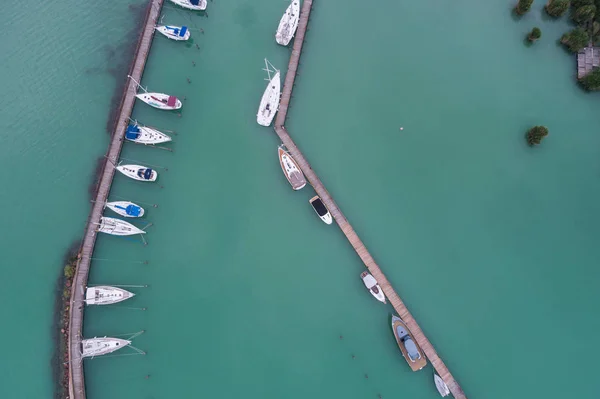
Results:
x,y
489,242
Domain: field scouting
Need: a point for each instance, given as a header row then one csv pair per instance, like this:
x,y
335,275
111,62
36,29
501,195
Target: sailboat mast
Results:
x,y
136,82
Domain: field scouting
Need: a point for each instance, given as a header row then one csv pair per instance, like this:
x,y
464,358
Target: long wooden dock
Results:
x,y
76,374
341,220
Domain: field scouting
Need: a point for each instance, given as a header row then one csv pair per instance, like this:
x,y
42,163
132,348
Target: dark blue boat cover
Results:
x,y
183,31
194,2
132,210
148,174
132,133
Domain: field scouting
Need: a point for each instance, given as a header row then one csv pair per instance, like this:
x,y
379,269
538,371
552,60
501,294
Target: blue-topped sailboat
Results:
x,y
145,135
178,33
191,4
126,209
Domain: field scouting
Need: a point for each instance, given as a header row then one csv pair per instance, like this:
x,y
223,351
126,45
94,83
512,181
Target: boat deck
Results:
x,y
341,220
76,372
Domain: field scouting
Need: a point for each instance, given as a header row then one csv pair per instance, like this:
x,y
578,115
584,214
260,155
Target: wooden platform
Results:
x,y
341,220
587,60
76,372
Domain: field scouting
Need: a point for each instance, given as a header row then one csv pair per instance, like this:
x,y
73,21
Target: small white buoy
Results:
x,y
401,128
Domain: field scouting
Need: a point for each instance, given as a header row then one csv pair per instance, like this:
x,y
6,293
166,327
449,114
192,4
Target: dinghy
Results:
x,y
101,346
191,4
372,286
290,169
106,295
321,209
178,33
126,209
441,385
411,352
118,227
288,24
158,100
138,172
269,103
145,135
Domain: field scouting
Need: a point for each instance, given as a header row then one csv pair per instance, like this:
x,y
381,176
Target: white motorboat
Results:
x,y
145,135
178,33
372,286
191,4
269,103
411,351
138,172
157,100
101,346
441,385
118,227
291,170
126,209
288,23
321,209
106,295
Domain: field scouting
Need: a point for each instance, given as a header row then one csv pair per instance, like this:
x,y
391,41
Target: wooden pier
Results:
x,y
76,374
587,60
341,220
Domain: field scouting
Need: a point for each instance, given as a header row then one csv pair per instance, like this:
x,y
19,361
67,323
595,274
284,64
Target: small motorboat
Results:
x,y
321,209
118,227
126,209
157,100
441,385
288,24
138,172
411,352
291,170
145,135
106,295
178,33
269,103
101,346
372,286
191,4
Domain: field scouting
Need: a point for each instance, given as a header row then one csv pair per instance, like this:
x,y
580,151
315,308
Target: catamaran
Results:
x,y
409,348
118,227
106,295
372,286
321,209
158,100
191,4
269,102
145,135
290,169
178,33
288,23
126,209
101,346
138,172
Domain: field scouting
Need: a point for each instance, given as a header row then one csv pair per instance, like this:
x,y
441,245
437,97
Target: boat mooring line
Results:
x,y
121,285
127,199
120,260
128,308
154,166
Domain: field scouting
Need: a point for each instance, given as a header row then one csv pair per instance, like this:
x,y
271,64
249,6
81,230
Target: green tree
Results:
x,y
579,3
523,6
536,134
591,81
69,271
557,8
584,14
535,34
575,40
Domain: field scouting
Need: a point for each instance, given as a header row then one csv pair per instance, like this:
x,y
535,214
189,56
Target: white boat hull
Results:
x,y
132,171
102,346
160,101
118,227
172,32
187,4
441,385
106,295
288,24
269,103
324,215
126,209
291,170
146,135
372,286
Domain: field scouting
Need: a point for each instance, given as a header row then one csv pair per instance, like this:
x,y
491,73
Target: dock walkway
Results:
x,y
341,220
587,60
76,374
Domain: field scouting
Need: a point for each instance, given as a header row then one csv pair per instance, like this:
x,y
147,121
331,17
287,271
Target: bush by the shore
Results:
x,y
591,81
575,40
535,34
535,135
523,6
584,14
557,8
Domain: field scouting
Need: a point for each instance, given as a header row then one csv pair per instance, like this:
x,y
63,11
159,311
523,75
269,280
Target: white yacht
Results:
x,y
157,100
178,33
321,209
199,5
269,103
106,295
138,172
288,24
126,209
145,135
291,170
101,346
372,286
118,227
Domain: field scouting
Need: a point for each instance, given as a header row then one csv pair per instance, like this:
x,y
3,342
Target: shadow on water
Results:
x,y
98,170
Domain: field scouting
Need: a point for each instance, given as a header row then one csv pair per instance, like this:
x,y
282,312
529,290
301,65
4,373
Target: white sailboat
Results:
x,y
158,100
145,135
138,172
372,286
178,33
191,4
126,209
118,227
269,103
288,24
106,295
101,346
441,385
291,170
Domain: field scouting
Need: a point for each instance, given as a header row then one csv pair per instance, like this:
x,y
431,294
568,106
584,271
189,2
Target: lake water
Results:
x,y
491,244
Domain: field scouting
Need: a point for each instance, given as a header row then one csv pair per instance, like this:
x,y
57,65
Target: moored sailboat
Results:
x,y
158,100
288,23
106,295
126,208
269,103
410,350
102,346
196,5
145,135
291,170
138,172
118,227
178,33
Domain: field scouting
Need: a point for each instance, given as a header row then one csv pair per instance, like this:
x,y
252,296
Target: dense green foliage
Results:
x,y
536,134
535,34
69,271
584,14
591,81
557,8
576,39
580,3
523,6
